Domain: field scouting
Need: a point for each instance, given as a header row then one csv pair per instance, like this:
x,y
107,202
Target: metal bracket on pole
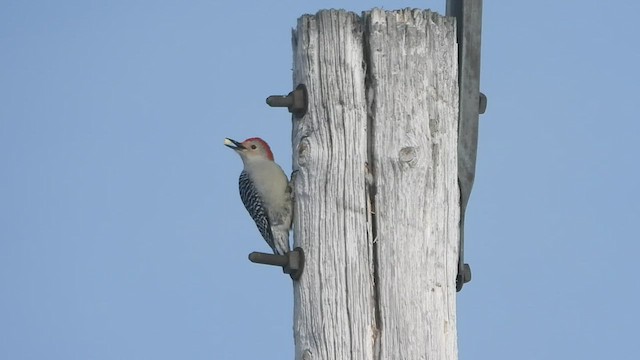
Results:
x,y
468,14
292,262
296,101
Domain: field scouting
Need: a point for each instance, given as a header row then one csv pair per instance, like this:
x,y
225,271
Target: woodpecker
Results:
x,y
265,192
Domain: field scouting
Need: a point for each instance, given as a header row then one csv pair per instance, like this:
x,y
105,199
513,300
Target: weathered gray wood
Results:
x,y
379,278
334,301
413,72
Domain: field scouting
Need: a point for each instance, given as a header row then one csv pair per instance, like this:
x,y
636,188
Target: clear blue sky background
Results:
x,y
122,235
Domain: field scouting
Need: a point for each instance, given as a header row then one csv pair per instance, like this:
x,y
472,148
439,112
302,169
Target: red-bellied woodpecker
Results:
x,y
265,192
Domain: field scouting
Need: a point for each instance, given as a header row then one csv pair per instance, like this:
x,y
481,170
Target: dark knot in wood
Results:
x,y
408,155
303,150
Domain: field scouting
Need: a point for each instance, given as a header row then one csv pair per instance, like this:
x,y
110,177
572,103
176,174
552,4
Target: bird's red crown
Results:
x,y
258,141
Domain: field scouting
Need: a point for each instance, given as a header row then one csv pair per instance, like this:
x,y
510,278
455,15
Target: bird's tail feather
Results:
x,y
280,241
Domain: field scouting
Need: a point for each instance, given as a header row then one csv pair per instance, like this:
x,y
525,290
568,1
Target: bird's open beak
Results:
x,y
233,144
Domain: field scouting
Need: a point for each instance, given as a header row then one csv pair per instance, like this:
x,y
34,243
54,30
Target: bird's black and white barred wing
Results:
x,y
254,205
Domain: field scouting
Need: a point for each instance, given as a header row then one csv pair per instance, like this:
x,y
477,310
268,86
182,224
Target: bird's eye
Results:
x,y
253,147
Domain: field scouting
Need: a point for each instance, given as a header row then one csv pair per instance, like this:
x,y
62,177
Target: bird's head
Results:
x,y
251,149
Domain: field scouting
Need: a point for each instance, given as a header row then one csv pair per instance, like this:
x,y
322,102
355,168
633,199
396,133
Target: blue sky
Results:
x,y
122,235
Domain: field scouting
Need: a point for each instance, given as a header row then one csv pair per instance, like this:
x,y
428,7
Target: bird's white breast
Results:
x,y
269,180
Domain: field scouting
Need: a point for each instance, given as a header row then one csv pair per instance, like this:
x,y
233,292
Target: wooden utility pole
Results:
x,y
377,204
